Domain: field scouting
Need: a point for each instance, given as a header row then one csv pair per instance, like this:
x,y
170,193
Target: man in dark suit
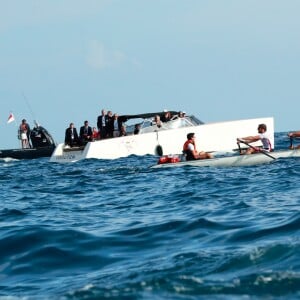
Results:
x,y
86,133
71,136
102,124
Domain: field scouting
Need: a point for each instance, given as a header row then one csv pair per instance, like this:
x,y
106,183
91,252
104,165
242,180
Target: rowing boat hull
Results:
x,y
233,161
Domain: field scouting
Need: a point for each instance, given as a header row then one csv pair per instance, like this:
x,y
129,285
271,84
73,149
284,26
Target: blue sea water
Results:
x,y
100,229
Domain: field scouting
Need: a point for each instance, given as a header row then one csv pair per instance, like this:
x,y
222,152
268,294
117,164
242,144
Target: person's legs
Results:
x,y
204,155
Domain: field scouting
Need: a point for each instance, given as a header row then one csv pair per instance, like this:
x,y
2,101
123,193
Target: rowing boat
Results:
x,y
232,161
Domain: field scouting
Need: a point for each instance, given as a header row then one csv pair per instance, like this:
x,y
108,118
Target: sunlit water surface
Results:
x,y
117,229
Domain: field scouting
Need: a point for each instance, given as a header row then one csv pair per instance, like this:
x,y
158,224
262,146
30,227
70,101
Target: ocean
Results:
x,y
100,229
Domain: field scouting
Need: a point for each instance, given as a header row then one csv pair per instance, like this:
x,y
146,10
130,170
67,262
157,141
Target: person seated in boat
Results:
x,y
71,136
157,121
86,133
96,134
181,114
24,134
123,131
137,128
102,124
262,136
166,117
291,135
190,151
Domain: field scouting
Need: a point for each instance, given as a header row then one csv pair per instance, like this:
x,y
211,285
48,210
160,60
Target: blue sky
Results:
x,y
219,60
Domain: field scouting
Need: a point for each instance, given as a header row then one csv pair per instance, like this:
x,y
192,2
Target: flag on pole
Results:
x,y
11,118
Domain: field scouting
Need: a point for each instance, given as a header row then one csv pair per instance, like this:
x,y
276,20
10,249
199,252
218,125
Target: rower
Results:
x,y
262,136
292,135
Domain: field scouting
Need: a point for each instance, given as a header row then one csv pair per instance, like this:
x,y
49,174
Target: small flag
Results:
x,y
11,118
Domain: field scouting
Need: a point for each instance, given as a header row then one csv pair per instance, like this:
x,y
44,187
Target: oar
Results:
x,y
240,150
260,150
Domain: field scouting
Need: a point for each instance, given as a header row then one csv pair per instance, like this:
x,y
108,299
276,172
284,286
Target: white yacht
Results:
x,y
165,139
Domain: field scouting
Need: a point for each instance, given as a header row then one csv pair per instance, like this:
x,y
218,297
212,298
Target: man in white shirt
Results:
x,y
262,136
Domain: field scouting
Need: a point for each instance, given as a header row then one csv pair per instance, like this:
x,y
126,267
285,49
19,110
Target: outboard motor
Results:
x,y
40,137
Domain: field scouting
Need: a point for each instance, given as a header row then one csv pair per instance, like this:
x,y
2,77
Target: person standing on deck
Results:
x,y
110,124
24,134
116,125
102,124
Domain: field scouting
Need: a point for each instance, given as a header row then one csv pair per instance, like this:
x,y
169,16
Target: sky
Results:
x,y
63,61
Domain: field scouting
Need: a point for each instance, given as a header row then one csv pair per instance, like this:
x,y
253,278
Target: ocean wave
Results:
x,y
120,230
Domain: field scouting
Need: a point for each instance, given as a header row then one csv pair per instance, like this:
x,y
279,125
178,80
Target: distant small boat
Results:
x,y
43,145
228,161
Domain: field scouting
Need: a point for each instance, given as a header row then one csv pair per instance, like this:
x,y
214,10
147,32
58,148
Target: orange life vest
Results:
x,y
189,154
186,145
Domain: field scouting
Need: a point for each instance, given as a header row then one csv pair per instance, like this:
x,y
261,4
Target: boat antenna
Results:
x,y
30,109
